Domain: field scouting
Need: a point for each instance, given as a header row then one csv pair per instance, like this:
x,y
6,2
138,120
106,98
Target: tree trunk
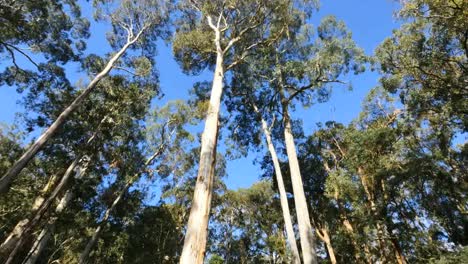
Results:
x,y
47,232
305,228
97,233
42,210
193,251
398,253
282,191
325,237
382,228
31,152
12,238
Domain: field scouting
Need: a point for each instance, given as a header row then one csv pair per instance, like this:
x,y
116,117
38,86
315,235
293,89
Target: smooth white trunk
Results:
x,y
305,228
282,192
193,251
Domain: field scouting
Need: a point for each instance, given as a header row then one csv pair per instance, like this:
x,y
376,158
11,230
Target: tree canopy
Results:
x,y
112,157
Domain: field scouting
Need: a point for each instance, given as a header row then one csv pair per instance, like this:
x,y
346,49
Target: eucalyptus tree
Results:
x,y
430,79
135,25
167,133
91,134
242,104
303,68
220,34
376,168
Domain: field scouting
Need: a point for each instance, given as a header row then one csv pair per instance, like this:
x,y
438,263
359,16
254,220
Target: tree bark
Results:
x,y
282,191
42,210
12,238
325,237
39,202
382,227
398,252
31,152
194,248
47,232
305,228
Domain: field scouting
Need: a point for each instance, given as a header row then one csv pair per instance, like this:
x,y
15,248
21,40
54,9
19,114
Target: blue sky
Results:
x,y
370,21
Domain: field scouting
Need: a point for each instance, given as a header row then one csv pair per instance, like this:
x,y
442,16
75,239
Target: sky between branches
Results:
x,y
370,21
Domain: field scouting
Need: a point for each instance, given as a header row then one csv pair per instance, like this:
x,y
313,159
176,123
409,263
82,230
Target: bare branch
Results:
x,y
210,23
9,47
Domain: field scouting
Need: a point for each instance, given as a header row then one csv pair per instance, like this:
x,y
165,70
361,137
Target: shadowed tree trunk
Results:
x,y
12,238
46,233
382,228
42,210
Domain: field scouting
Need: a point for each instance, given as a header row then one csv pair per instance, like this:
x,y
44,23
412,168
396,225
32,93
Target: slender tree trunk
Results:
x,y
42,210
84,256
282,191
305,228
194,248
31,152
39,203
398,252
97,232
382,228
12,238
325,237
47,232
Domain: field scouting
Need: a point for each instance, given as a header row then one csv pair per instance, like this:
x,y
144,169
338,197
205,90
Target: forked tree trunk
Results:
x,y
305,228
193,251
325,237
282,191
31,152
41,241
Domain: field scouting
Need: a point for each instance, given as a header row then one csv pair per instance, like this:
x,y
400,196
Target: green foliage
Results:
x,y
460,256
425,61
391,182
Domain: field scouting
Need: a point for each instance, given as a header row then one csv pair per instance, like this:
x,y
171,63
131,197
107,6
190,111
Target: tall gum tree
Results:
x,y
247,125
218,34
303,68
112,111
136,24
